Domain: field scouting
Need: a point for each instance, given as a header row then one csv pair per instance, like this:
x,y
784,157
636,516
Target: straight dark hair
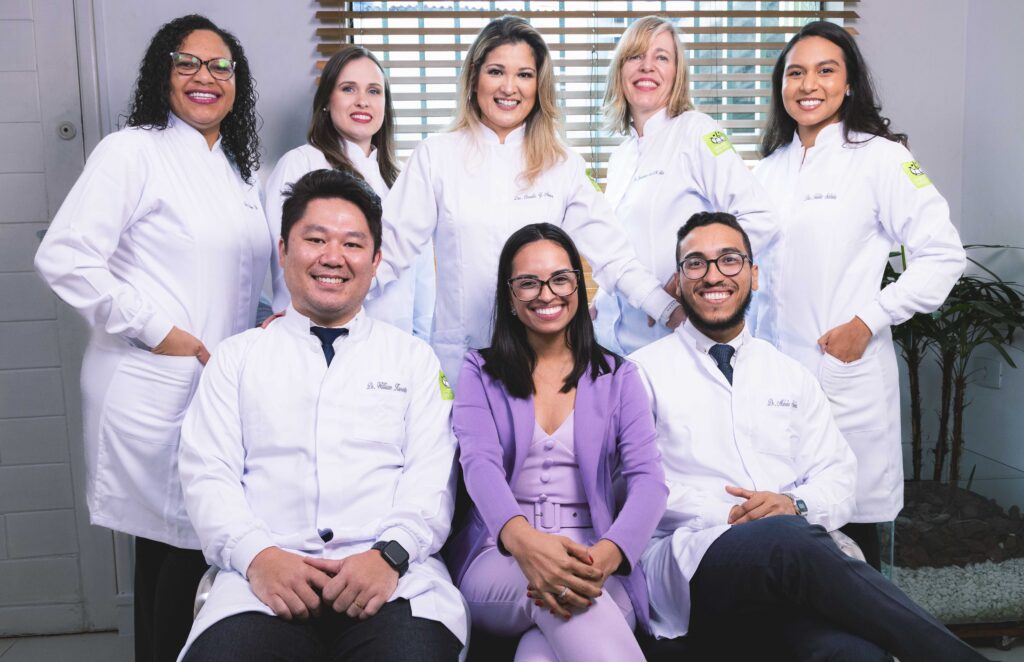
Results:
x,y
325,184
859,111
326,138
510,359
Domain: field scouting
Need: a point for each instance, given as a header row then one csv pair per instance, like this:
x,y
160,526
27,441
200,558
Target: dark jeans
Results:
x,y
866,537
780,584
393,633
166,579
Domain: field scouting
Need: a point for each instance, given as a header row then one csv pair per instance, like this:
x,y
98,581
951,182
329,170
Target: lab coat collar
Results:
x,y
183,128
516,136
355,153
655,123
828,136
298,324
691,336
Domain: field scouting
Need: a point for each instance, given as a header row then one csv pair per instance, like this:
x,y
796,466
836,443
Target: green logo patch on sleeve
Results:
x,y
446,390
916,174
718,142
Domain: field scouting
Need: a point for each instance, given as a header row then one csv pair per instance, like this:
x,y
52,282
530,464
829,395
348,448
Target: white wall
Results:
x,y
279,39
941,69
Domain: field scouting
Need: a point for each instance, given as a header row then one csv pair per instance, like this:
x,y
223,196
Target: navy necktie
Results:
x,y
327,338
722,354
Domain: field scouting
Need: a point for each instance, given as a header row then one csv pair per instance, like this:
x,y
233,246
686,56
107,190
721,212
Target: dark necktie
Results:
x,y
722,354
327,338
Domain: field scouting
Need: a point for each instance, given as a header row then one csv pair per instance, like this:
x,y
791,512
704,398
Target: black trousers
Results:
x,y
866,537
782,586
166,579
392,634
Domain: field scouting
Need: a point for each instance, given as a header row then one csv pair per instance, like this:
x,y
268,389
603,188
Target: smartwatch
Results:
x,y
801,507
394,554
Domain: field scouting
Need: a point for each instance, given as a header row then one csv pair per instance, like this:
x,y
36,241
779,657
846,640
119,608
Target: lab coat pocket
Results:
x,y
856,391
773,433
140,426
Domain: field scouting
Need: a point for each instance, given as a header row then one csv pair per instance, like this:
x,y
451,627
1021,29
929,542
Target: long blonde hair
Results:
x,y
543,144
635,41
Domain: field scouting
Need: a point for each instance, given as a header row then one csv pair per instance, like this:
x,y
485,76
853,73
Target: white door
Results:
x,y
57,573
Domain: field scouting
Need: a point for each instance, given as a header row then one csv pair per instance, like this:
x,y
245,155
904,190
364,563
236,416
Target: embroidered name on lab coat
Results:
x,y
782,402
649,174
532,196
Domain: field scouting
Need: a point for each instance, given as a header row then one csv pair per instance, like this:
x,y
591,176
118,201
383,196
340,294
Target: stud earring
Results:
x,y
848,93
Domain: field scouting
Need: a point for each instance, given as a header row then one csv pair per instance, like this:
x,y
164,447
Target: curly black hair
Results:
x,y
151,103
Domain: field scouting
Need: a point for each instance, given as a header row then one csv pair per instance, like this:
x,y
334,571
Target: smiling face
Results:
x,y
647,78
549,314
329,261
814,86
506,88
357,102
201,100
715,304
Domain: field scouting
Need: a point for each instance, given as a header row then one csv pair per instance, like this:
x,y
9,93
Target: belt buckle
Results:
x,y
546,515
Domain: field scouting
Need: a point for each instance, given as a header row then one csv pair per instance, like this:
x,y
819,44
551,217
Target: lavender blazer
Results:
x,y
613,433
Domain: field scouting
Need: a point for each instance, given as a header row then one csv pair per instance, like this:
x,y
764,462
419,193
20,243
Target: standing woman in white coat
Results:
x,y
848,191
675,162
163,247
353,129
503,165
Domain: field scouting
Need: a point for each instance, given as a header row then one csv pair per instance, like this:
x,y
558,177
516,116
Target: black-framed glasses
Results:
x,y
728,264
187,64
528,288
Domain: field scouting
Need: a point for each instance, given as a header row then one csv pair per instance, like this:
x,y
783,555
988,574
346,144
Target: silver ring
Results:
x,y
565,589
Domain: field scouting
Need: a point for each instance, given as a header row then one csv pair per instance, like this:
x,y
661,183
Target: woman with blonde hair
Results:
x,y
352,129
675,162
501,166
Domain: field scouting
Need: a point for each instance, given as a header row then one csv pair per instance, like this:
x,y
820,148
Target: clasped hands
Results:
x,y
295,586
561,574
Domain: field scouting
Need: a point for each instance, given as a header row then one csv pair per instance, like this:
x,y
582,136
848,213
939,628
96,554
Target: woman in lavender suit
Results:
x,y
545,417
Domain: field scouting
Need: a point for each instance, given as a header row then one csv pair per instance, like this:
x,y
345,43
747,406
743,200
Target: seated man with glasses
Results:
x,y
758,473
317,462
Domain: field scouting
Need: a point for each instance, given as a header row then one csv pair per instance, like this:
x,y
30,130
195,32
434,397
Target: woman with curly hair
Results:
x,y
847,190
352,130
163,247
501,166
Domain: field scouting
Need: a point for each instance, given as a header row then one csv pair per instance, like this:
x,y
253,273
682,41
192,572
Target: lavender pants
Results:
x,y
495,589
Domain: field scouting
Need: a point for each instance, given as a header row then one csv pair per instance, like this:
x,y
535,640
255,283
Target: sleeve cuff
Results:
x,y
247,548
657,302
155,330
875,317
403,538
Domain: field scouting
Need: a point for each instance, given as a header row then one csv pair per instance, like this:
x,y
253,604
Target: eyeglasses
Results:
x,y
187,64
528,288
728,264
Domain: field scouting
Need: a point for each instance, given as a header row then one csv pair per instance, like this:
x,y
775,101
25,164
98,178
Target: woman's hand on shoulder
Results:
x,y
559,571
182,343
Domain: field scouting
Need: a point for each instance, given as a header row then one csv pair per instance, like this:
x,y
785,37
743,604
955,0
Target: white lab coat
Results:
x,y
158,231
843,208
463,189
771,429
276,445
408,303
681,166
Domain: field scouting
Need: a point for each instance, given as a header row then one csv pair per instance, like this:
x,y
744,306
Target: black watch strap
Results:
x,y
394,554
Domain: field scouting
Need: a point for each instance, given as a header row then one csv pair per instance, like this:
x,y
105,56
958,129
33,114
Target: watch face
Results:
x,y
395,554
